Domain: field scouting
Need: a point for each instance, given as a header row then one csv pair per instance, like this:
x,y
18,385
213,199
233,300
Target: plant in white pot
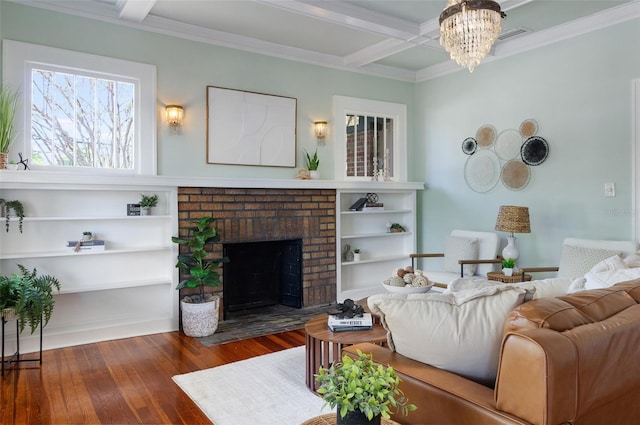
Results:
x,y
147,202
363,392
199,311
508,264
312,163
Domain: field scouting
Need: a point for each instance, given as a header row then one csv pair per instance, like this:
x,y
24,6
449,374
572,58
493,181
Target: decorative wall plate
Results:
x,y
516,174
486,136
508,144
469,145
528,128
534,150
482,170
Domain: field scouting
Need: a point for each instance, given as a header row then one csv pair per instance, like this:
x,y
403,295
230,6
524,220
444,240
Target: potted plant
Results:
x,y
87,236
356,254
8,104
312,163
147,202
28,297
507,266
362,391
199,311
15,207
397,228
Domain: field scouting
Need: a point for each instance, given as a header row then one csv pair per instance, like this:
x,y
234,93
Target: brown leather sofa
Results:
x,y
567,360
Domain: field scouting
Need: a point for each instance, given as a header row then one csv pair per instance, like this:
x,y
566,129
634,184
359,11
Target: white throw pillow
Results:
x,y
577,285
576,261
632,261
461,334
459,248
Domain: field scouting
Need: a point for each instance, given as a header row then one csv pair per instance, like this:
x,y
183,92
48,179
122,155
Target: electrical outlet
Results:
x,y
609,189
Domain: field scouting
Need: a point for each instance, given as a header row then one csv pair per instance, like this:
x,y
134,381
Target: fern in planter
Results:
x,y
30,295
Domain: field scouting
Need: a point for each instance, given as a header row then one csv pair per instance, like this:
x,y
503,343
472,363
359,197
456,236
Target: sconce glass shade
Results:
x,y
320,129
175,115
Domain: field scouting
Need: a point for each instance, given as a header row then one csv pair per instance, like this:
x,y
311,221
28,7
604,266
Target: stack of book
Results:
x,y
350,324
86,246
373,206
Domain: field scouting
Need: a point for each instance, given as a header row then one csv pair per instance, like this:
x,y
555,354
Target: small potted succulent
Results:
x,y
147,202
312,163
356,254
363,392
397,228
508,265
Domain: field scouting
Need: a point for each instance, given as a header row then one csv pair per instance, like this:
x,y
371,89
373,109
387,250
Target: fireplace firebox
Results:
x,y
261,274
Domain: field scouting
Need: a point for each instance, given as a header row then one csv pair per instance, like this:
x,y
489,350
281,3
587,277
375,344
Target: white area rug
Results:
x,y
263,390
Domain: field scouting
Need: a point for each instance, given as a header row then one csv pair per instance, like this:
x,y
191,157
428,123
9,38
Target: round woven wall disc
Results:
x,y
486,136
516,174
528,128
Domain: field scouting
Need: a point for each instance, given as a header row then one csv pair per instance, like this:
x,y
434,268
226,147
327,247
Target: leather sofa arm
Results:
x,y
537,376
441,397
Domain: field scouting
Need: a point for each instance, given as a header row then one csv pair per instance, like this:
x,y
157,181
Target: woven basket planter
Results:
x,y
9,314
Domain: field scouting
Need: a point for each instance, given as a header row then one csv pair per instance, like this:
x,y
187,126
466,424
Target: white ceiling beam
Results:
x,y
349,15
134,10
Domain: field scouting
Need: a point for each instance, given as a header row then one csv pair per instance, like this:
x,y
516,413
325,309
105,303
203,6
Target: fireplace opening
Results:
x,y
261,274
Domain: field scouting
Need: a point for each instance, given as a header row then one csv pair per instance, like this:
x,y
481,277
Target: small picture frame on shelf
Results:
x,y
133,209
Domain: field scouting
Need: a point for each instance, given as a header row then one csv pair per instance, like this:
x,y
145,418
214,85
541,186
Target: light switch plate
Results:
x,y
609,189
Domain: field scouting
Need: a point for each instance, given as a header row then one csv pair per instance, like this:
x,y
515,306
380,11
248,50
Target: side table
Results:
x,y
330,419
500,277
324,346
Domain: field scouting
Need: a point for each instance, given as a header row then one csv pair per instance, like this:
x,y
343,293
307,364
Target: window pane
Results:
x,y
369,146
81,121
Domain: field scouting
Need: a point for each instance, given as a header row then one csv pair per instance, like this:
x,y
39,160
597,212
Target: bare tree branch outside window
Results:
x,y
81,121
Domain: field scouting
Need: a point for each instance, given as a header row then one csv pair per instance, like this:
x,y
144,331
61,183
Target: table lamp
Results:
x,y
512,219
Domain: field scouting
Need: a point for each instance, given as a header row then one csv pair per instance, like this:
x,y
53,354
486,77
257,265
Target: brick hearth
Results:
x,y
248,215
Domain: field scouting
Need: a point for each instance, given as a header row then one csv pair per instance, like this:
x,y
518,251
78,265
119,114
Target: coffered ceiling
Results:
x,y
393,38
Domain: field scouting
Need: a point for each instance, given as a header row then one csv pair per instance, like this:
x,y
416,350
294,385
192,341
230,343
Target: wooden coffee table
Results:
x,y
500,277
330,419
324,346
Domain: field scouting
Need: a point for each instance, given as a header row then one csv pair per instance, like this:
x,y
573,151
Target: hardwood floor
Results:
x,y
126,381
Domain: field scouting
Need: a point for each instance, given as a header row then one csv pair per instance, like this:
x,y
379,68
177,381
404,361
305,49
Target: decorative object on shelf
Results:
x,y
508,264
30,296
8,106
346,250
312,163
358,205
87,236
9,208
356,254
361,388
388,226
23,161
468,29
199,311
175,117
147,202
133,209
348,309
397,228
320,129
303,174
91,245
469,145
513,219
372,203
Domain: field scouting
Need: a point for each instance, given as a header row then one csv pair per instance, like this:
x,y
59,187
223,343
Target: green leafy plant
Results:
x,y
18,209
147,201
360,384
356,251
8,104
508,263
312,161
30,295
200,271
397,227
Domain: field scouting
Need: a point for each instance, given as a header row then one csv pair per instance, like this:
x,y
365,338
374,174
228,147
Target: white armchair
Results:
x,y
466,253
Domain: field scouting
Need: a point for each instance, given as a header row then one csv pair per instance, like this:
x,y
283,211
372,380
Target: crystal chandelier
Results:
x,y
468,29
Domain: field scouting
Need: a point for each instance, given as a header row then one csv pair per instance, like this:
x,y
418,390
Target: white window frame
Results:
x,y
18,61
343,106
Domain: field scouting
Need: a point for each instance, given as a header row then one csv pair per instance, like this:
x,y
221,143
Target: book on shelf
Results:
x,y
358,205
86,246
333,328
365,320
373,206
93,242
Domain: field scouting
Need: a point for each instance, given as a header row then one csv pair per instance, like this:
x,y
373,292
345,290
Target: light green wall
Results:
x,y
185,68
579,91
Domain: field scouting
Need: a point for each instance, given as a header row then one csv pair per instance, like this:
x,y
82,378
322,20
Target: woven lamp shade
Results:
x,y
513,219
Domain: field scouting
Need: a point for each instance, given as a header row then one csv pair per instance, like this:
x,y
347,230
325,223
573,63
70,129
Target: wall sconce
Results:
x,y
175,117
320,129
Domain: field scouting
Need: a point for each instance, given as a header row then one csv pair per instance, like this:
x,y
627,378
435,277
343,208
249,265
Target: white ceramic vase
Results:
x,y
314,174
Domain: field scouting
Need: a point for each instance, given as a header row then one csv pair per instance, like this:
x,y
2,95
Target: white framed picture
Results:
x,y
247,128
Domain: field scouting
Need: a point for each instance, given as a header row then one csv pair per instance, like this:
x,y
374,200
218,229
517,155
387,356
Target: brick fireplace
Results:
x,y
252,215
